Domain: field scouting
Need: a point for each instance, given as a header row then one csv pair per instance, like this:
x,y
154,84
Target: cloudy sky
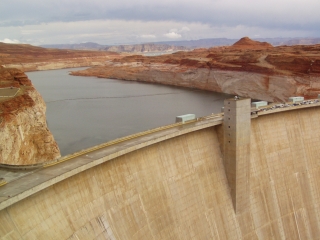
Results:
x,y
133,21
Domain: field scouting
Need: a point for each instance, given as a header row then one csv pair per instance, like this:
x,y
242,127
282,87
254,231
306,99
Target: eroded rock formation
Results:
x,y
30,58
24,136
247,43
248,68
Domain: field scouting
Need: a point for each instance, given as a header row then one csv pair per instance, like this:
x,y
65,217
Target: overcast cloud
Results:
x,y
128,21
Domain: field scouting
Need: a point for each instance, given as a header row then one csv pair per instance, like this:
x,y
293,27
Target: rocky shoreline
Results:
x,y
30,58
248,68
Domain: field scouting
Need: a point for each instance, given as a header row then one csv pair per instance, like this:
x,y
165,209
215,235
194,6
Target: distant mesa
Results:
x,y
148,47
247,43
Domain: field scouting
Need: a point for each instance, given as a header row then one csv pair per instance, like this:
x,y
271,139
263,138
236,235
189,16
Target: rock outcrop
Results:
x,y
30,58
248,68
247,43
24,136
57,64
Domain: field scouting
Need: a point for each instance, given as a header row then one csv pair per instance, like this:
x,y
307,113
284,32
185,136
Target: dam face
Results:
x,y
178,189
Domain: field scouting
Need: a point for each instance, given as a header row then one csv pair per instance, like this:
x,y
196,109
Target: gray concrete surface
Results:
x,y
22,184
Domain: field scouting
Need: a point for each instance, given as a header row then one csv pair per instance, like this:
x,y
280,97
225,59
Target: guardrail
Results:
x,y
133,136
2,182
92,149
113,142
103,145
274,106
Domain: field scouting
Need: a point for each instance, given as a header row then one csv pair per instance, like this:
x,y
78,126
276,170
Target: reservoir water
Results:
x,y
85,111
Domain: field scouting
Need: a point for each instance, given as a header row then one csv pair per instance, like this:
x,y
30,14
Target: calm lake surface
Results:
x,y
85,111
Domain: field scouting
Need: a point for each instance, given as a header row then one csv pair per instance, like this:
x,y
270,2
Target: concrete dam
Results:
x,y
231,176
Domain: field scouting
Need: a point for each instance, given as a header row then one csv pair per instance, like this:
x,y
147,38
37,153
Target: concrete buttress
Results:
x,y
237,125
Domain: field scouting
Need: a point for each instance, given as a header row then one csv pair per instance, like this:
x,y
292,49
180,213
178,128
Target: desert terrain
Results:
x,y
176,187
247,68
31,58
24,136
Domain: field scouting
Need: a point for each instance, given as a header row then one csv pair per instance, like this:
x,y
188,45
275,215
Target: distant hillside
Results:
x,y
289,41
303,41
202,43
78,46
180,45
31,58
148,47
247,43
213,42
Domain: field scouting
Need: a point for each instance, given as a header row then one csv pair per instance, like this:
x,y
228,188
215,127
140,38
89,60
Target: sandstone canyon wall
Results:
x,y
177,189
248,68
24,136
58,64
275,88
30,58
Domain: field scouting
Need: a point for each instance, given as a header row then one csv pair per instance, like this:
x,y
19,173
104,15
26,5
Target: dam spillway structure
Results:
x,y
175,182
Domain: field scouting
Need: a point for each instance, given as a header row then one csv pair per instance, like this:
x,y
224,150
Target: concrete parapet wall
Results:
x,y
178,189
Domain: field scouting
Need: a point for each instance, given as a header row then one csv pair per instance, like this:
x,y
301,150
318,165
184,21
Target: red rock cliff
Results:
x,y
248,68
24,136
30,58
